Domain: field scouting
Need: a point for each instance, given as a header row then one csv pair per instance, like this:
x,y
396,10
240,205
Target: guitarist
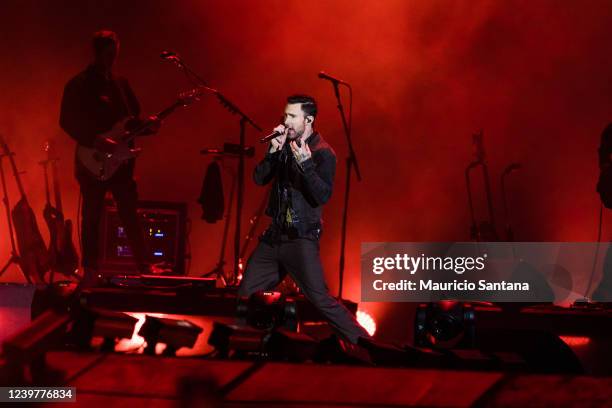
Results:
x,y
93,102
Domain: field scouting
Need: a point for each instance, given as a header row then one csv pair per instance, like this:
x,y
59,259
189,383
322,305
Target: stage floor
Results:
x,y
154,381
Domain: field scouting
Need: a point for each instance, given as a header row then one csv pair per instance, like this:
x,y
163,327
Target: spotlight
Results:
x,y
238,340
444,325
506,339
113,326
261,317
175,333
109,325
267,311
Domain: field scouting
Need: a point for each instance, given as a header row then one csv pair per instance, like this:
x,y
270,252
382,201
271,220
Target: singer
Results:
x,y
302,167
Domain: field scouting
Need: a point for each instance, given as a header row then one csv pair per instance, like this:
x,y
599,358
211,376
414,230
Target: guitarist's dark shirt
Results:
x,y
92,104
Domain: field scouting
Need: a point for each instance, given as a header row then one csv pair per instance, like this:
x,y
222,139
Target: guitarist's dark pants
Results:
x,y
123,188
299,257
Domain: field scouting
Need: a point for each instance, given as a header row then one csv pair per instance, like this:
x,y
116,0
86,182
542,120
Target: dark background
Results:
x,y
535,75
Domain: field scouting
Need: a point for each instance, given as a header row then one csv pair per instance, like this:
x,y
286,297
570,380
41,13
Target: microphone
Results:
x,y
169,55
276,134
323,75
270,137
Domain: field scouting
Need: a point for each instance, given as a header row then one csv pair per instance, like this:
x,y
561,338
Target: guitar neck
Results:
x,y
166,112
161,115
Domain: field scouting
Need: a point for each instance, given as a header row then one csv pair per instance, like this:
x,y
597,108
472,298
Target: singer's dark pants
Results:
x,y
123,188
300,258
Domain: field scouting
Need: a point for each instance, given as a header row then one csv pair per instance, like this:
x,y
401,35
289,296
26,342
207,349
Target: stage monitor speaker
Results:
x,y
164,228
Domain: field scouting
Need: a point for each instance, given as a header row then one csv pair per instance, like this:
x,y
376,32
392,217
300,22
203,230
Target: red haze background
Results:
x,y
535,75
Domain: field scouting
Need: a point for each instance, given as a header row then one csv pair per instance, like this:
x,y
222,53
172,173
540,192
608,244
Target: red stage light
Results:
x,y
136,341
366,321
447,305
575,341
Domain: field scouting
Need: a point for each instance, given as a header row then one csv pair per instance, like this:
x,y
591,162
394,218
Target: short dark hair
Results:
x,y
102,39
309,105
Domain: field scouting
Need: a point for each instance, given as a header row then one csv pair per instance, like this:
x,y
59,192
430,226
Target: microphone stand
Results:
x,y
351,162
218,271
228,151
244,120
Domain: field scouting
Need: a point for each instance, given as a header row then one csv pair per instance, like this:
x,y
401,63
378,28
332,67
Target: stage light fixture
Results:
x,y
93,322
231,340
174,333
267,310
445,325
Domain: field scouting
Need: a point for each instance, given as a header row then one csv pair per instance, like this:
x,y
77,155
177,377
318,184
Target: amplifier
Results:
x,y
164,229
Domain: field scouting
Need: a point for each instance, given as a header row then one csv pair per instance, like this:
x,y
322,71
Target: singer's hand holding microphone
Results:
x,y
277,142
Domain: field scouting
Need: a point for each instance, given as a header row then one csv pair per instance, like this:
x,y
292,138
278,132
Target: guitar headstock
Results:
x,y
189,97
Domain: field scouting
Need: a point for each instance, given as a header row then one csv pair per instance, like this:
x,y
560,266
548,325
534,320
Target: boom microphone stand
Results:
x,y
351,161
244,120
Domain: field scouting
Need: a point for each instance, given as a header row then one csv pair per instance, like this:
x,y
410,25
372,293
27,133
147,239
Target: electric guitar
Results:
x,y
63,257
102,165
33,255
